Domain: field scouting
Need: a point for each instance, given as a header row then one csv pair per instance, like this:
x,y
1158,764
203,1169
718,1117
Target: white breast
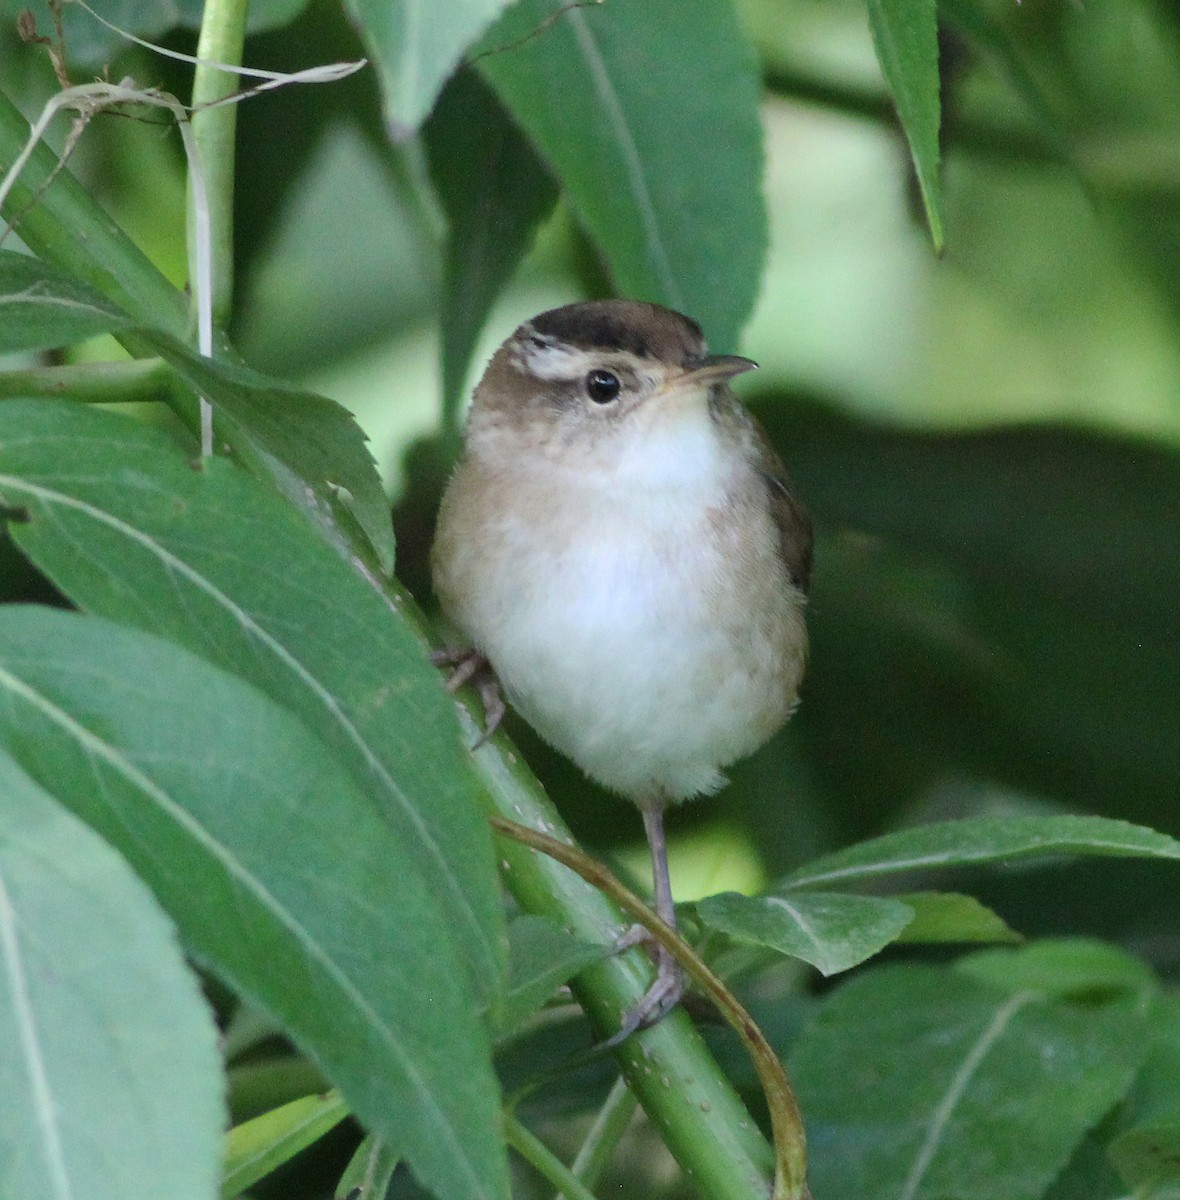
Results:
x,y
608,621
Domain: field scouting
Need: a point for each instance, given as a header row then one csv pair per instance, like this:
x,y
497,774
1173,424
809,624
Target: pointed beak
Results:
x,y
707,371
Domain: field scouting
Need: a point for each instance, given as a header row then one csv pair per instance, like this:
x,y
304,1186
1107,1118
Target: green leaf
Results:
x,y
652,126
414,47
496,191
982,28
309,442
832,931
278,872
1067,967
1148,1159
905,33
110,1080
316,439
923,1083
953,917
256,1148
213,560
42,307
984,840
368,1172
1147,1154
946,639
541,956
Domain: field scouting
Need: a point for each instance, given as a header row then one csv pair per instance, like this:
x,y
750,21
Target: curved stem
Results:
x,y
789,1137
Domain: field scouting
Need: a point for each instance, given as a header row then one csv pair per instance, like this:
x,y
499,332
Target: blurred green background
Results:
x,y
987,440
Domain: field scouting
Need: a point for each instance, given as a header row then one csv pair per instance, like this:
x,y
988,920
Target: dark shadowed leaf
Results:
x,y
905,33
541,957
1147,1153
923,1083
215,561
666,178
415,46
985,31
496,191
827,929
110,1079
279,873
968,628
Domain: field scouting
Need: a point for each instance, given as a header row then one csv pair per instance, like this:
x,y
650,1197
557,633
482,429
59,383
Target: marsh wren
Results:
x,y
621,545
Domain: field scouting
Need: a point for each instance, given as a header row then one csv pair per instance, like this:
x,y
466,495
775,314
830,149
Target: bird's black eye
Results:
x,y
602,386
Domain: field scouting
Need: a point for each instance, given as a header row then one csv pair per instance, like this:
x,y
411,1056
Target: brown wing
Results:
x,y
794,525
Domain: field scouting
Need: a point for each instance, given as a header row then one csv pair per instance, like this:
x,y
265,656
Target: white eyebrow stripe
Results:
x,y
549,361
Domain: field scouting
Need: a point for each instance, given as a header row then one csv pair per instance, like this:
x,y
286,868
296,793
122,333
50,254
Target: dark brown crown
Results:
x,y
633,326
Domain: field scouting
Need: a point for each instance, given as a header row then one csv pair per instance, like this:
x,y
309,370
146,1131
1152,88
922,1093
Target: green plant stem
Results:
x,y
141,379
679,1084
608,1128
223,34
789,1138
683,1091
538,1155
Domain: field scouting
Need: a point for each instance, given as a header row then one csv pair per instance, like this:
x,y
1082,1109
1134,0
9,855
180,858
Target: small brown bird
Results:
x,y
621,545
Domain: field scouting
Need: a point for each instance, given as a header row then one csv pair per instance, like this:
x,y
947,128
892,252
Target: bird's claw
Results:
x,y
471,667
659,999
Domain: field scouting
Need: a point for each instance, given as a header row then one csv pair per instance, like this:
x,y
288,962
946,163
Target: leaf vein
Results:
x,y
632,160
250,883
178,568
958,1085
26,1022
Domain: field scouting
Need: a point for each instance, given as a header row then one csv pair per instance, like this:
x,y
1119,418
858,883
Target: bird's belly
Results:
x,y
632,651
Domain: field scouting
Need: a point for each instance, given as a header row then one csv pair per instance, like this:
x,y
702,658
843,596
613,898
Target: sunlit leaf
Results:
x,y
257,1147
649,117
278,872
1148,1159
309,442
110,1080
953,917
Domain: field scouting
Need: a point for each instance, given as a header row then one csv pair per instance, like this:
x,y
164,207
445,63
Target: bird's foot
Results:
x,y
471,667
659,999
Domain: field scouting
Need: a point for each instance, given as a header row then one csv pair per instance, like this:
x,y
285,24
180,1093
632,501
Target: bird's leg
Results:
x,y
471,667
665,993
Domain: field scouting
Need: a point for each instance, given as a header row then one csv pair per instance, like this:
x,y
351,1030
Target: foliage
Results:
x,y
235,797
